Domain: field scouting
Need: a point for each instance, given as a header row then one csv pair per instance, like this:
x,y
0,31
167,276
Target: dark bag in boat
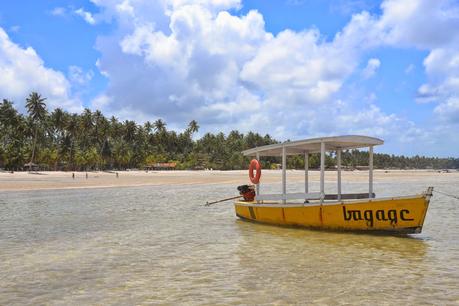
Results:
x,y
247,191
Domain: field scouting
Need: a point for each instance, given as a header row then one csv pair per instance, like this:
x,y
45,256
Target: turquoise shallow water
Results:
x,y
160,245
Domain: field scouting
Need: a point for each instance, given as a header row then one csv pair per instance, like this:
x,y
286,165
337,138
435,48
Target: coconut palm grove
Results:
x,y
59,140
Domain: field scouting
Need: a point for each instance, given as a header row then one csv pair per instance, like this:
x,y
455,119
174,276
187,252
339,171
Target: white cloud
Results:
x,y
372,65
206,60
100,101
196,65
299,66
23,71
442,68
424,24
432,26
184,60
87,16
78,77
449,111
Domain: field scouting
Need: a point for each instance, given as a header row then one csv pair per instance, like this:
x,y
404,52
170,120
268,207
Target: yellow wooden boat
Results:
x,y
340,211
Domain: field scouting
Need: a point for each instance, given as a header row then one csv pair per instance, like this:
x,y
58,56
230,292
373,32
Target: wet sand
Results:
x,y
63,180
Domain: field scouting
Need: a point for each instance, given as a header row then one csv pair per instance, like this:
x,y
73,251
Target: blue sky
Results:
x,y
293,68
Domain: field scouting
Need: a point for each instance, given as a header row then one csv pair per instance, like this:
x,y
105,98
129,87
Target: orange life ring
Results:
x,y
255,164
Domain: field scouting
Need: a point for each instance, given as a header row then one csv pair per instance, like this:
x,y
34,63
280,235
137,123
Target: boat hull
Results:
x,y
401,214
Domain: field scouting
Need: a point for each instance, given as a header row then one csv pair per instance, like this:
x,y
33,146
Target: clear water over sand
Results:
x,y
143,245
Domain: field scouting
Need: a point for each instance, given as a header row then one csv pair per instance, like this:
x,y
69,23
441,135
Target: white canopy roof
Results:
x,y
313,145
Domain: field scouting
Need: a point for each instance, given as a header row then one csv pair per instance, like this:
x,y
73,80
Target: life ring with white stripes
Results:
x,y
255,165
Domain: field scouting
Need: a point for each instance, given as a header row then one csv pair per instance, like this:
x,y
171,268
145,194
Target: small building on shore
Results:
x,y
161,166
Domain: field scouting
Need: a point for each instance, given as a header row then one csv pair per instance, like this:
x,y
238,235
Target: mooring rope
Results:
x,y
447,194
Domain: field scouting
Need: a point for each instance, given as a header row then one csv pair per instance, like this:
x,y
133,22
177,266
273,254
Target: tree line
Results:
x,y
59,140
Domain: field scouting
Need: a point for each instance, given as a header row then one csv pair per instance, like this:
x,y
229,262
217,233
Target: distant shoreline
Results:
x,y
49,180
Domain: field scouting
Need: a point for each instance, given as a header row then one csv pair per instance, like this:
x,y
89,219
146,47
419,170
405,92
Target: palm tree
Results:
x,y
87,125
193,126
130,129
70,138
58,118
36,108
13,129
7,112
101,128
8,115
160,135
106,152
57,122
148,126
159,125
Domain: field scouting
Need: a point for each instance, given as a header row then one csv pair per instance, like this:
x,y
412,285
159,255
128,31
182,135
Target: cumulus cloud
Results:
x,y
197,64
23,71
421,23
87,16
79,77
432,26
100,102
209,65
372,65
183,60
442,68
297,66
449,110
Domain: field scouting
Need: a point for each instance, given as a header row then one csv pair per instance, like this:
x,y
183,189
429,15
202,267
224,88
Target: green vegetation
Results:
x,y
59,140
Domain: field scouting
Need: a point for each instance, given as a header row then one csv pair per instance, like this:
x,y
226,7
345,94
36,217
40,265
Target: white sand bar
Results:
x,y
64,180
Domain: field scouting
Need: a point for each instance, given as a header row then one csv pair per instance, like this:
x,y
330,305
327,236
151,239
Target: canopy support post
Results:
x,y
338,157
322,170
370,174
306,172
284,173
258,185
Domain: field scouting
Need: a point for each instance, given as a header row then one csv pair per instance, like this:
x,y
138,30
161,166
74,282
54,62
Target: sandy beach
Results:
x,y
63,180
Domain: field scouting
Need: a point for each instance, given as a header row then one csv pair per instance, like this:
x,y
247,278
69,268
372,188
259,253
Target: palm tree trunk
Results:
x,y
33,146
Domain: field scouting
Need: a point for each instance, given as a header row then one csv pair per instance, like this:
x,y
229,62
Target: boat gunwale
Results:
x,y
343,202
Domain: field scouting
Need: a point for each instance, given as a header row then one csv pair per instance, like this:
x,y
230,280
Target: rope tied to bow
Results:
x,y
447,194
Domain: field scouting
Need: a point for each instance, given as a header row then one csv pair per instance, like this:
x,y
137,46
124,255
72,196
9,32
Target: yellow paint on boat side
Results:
x,y
397,214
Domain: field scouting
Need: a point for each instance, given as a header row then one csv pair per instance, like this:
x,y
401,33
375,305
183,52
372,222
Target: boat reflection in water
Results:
x,y
287,265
